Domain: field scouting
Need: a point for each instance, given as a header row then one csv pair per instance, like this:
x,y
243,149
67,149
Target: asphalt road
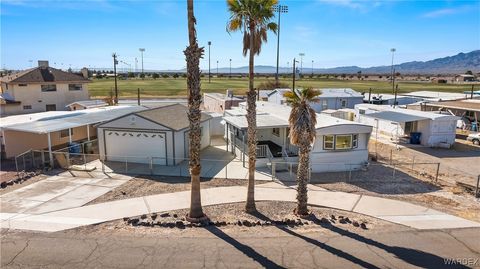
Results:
x,y
336,248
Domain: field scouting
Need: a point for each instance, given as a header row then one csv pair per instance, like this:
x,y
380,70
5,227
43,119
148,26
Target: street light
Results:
x,y
280,9
230,69
294,73
392,50
142,50
209,43
312,68
301,54
217,68
115,62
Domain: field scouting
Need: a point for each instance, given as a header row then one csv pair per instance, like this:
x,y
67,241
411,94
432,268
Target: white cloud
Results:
x,y
448,11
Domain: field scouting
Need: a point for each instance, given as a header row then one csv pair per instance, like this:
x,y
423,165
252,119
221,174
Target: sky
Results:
x,y
331,33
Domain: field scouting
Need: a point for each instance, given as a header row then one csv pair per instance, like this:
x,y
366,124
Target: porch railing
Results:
x,y
262,151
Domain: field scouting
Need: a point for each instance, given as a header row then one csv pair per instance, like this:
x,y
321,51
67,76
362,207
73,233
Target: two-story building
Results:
x,y
41,89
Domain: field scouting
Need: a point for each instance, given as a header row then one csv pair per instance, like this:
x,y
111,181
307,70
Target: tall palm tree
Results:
x,y
252,17
302,123
193,54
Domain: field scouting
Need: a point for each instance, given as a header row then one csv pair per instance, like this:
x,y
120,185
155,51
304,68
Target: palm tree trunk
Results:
x,y
302,180
193,54
252,128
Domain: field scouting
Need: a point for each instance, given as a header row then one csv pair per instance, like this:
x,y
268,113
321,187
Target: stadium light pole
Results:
x,y
230,76
312,68
217,68
142,50
279,9
392,50
209,44
294,73
301,54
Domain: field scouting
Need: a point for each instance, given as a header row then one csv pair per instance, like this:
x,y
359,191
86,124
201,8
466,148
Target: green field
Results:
x,y
169,87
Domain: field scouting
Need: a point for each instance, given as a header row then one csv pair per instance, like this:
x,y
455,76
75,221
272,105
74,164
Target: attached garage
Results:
x,y
158,135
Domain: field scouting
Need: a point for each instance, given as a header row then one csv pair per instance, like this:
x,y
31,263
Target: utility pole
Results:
x,y
471,93
209,44
393,81
230,76
136,65
115,62
301,54
217,68
392,50
280,9
312,68
142,50
138,96
294,73
395,99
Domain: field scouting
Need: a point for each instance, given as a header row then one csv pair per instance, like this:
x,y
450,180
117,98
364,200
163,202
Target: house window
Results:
x,y
74,87
49,88
22,85
51,107
64,133
361,111
355,141
276,131
27,107
324,104
343,142
328,142
344,103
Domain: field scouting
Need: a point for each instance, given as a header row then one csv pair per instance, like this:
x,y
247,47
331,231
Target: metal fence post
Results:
x,y
43,159
391,156
24,166
126,165
33,159
16,167
438,170
394,169
349,172
226,171
85,161
103,166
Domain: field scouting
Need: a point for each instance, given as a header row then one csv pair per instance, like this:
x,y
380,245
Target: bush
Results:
x,y
271,85
155,76
164,75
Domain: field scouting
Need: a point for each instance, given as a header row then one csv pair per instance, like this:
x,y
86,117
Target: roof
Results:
x,y
466,75
61,120
473,105
42,75
221,96
263,121
171,116
89,103
384,96
395,116
437,95
329,93
264,93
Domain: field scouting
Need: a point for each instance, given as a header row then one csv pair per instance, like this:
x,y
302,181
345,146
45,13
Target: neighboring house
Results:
x,y
41,89
431,96
157,136
401,124
80,105
464,78
469,110
263,94
340,145
389,99
328,99
218,102
54,129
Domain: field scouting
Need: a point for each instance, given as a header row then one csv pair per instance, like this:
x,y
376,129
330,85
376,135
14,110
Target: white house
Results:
x,y
79,105
328,99
397,123
389,99
340,145
40,89
158,136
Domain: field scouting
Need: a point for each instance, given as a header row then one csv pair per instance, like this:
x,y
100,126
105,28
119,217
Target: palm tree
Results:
x,y
302,123
193,54
252,17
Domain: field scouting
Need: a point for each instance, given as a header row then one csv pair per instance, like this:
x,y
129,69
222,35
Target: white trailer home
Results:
x,y
158,136
340,145
404,125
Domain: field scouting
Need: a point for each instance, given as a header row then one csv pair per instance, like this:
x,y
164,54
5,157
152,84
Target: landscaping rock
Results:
x,y
164,215
175,215
143,216
347,220
333,217
342,221
154,216
355,224
363,226
239,223
3,185
180,224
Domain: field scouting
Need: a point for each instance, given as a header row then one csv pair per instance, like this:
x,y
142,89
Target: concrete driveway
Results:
x,y
59,192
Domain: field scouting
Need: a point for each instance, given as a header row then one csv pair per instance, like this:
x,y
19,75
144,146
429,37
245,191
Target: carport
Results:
x,y
49,132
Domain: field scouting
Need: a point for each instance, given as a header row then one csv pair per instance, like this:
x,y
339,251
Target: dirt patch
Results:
x,y
144,186
273,216
11,182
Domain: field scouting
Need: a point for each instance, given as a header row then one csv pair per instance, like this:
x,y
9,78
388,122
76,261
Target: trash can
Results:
x,y
74,148
415,138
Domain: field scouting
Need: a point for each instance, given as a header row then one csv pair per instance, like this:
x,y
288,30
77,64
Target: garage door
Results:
x,y
137,146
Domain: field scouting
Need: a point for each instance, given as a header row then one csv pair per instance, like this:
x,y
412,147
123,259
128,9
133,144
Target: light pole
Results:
x,y
280,9
115,62
217,68
209,43
294,73
301,54
312,68
136,65
392,50
142,50
230,76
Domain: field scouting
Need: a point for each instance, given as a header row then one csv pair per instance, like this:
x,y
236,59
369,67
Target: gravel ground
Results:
x,y
227,217
18,185
143,186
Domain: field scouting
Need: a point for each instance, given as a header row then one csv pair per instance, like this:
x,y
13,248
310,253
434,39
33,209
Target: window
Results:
x,y
344,103
355,141
49,88
27,107
343,142
361,111
51,107
276,131
328,142
74,87
324,104
64,133
22,85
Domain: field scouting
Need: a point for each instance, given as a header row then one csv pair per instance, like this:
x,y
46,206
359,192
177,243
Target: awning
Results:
x,y
263,121
395,116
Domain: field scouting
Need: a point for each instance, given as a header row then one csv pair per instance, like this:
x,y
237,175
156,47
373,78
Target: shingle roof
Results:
x,y
43,74
172,116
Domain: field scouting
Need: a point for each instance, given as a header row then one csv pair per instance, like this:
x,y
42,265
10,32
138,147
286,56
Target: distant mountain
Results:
x,y
456,64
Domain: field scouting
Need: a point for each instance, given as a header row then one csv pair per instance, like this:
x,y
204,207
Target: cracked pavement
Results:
x,y
215,248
